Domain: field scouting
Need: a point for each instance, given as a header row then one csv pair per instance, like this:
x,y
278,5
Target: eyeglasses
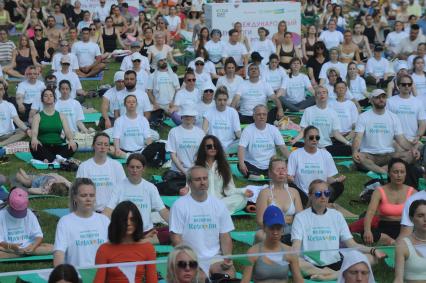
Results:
x,y
184,264
199,64
311,138
319,194
406,84
191,80
64,45
210,146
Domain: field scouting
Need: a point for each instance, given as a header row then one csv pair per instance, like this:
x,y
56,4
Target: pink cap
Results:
x,y
18,200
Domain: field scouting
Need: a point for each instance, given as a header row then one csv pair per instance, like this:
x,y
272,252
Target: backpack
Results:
x,y
367,192
155,154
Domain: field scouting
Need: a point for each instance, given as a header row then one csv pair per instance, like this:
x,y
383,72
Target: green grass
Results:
x,y
353,186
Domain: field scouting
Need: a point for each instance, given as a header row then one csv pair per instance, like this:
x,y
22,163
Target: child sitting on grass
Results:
x,y
44,184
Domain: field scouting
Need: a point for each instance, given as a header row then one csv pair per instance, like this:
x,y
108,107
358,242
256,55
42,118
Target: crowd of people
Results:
x,y
357,79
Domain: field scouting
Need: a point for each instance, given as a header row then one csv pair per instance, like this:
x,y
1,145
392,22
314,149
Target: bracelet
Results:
x,y
373,251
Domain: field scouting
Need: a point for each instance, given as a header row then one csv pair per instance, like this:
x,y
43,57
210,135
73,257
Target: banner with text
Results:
x,y
253,15
92,5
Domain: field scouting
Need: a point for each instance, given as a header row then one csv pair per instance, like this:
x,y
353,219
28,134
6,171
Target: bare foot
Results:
x,y
324,277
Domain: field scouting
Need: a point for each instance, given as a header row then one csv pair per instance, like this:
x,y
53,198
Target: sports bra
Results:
x,y
391,209
291,210
347,55
414,267
263,271
287,54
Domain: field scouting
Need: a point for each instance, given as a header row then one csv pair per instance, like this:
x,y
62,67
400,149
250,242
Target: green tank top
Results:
x,y
50,129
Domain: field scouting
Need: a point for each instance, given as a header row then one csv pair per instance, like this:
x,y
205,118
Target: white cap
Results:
x,y
136,56
66,59
188,110
209,85
377,92
199,59
401,64
118,76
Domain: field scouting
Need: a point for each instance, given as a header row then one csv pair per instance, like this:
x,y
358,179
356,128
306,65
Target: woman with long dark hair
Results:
x,y
221,185
316,61
126,244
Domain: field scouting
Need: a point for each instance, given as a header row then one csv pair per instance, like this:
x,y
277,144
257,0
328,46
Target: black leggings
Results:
x,y
254,170
49,152
339,149
390,228
337,189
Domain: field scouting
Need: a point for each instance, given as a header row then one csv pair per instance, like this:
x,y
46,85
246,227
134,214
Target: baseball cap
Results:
x,y
136,56
66,59
188,110
135,44
255,56
273,216
18,203
209,85
378,48
199,59
377,92
119,76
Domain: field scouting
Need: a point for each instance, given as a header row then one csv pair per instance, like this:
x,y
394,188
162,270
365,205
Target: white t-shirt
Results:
x,y
22,231
223,124
56,61
31,92
275,78
342,68
7,113
409,111
144,195
202,109
144,105
200,224
331,38
358,88
377,68
142,79
265,49
132,133
105,177
186,97
72,110
111,95
296,87
393,39
325,120
202,79
215,50
79,238
173,23
164,86
72,78
260,145
379,131
208,68
86,52
321,232
306,167
127,63
420,83
405,219
184,143
347,114
237,51
252,94
155,52
232,87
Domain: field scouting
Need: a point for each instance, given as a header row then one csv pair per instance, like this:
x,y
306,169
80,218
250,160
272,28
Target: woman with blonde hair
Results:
x,y
182,265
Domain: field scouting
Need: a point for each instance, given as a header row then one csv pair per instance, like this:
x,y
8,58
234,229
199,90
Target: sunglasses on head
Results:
x,y
210,146
319,194
311,138
405,84
184,264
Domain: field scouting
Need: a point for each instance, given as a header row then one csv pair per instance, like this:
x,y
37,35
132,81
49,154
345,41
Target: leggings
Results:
x,y
390,228
49,152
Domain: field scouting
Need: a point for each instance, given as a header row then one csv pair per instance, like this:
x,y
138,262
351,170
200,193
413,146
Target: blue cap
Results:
x,y
273,216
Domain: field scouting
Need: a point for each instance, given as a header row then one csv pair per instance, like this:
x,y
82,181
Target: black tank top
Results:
x,y
110,41
144,49
370,33
23,62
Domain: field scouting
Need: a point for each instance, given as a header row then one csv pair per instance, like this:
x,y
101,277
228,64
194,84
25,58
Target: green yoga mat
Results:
x,y
293,113
240,176
374,175
289,133
232,159
92,117
58,212
390,259
342,157
163,249
169,122
27,156
27,258
316,281
87,275
169,200
246,237
42,196
347,163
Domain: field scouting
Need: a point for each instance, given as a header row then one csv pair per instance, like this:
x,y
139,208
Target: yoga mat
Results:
x,y
290,133
169,122
58,212
240,176
347,163
27,156
156,179
163,249
92,117
293,113
169,200
342,157
87,275
243,213
374,175
390,251
42,196
98,77
27,258
246,237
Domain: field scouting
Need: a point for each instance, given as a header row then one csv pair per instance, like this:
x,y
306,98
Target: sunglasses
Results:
x,y
184,264
311,138
319,194
319,48
405,84
190,80
209,91
210,146
66,64
137,60
199,64
37,29
64,45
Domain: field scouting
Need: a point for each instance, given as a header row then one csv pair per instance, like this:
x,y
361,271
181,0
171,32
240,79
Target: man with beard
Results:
x,y
144,106
53,34
376,130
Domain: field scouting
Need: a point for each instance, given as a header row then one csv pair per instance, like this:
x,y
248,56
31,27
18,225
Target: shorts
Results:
x,y
39,180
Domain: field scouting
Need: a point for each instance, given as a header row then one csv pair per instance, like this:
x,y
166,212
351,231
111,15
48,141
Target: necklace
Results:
x,y
418,239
